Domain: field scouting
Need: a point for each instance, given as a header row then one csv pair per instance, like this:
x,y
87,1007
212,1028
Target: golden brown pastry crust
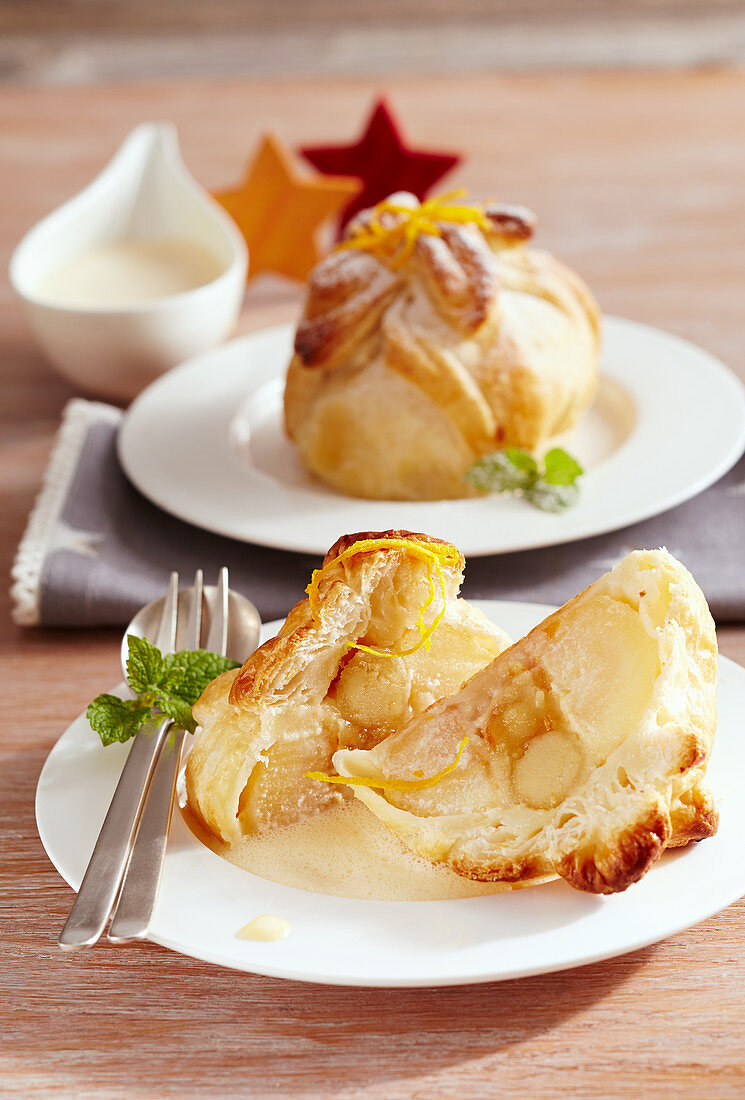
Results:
x,y
305,693
402,377
588,741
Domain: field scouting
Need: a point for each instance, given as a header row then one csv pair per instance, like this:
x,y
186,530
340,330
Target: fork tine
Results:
x,y
194,626
217,638
165,639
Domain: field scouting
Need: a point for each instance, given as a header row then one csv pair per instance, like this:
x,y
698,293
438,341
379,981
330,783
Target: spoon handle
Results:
x,y
100,886
136,902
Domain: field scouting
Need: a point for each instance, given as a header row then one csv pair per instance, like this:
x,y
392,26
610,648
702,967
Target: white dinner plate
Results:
x,y
204,900
205,442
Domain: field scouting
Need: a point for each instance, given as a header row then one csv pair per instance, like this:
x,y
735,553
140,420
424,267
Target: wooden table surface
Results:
x,y
639,181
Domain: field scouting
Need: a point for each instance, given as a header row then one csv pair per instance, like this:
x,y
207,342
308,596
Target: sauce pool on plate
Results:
x,y
345,851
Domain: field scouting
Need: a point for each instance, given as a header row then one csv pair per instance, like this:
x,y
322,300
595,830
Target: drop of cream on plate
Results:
x,y
129,272
267,929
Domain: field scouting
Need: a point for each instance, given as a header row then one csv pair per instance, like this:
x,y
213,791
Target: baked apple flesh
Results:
x,y
383,637
587,742
371,697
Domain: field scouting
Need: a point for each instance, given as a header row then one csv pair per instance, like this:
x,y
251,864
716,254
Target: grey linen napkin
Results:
x,y
95,549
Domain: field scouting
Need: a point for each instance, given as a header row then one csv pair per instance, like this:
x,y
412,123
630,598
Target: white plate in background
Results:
x,y
204,900
205,442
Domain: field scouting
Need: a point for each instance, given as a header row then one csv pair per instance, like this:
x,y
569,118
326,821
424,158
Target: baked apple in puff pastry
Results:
x,y
432,336
581,750
381,636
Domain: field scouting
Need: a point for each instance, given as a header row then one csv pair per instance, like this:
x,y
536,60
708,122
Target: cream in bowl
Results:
x,y
129,272
136,273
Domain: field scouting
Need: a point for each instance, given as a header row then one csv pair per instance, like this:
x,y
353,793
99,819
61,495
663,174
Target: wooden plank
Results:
x,y
637,181
76,16
84,41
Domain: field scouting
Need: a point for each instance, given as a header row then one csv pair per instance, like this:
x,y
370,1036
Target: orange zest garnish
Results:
x,y
394,243
391,784
435,556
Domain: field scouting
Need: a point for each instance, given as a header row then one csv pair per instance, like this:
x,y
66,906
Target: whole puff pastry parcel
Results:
x,y
381,636
432,336
581,750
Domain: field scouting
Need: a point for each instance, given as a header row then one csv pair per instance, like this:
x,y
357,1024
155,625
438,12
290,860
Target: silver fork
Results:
x,y
136,902
141,805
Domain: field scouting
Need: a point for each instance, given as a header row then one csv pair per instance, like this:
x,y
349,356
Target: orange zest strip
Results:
x,y
391,784
394,243
435,557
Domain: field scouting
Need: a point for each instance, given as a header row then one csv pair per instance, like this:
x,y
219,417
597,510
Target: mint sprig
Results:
x,y
116,719
164,686
550,486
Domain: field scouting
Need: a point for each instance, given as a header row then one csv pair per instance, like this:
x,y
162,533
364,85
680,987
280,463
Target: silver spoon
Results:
x,y
244,623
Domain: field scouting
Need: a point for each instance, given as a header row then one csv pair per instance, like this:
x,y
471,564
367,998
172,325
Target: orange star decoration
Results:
x,y
279,210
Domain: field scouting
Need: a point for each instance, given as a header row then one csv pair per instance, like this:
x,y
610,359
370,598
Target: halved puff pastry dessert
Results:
x,y
581,750
432,336
381,636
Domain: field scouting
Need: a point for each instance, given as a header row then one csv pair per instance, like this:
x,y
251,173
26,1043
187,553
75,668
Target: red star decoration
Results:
x,y
383,161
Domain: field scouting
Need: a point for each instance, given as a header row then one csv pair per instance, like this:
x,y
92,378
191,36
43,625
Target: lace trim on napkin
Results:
x,y
35,544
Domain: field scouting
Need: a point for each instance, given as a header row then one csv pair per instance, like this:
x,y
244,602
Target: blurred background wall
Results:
x,y
80,41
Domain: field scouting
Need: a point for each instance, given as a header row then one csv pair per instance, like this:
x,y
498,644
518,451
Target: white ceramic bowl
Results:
x,y
144,192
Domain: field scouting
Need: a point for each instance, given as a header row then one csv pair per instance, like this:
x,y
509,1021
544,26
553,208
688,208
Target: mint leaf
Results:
x,y
522,460
172,706
145,666
188,672
202,670
552,498
174,671
550,486
116,719
498,473
559,468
